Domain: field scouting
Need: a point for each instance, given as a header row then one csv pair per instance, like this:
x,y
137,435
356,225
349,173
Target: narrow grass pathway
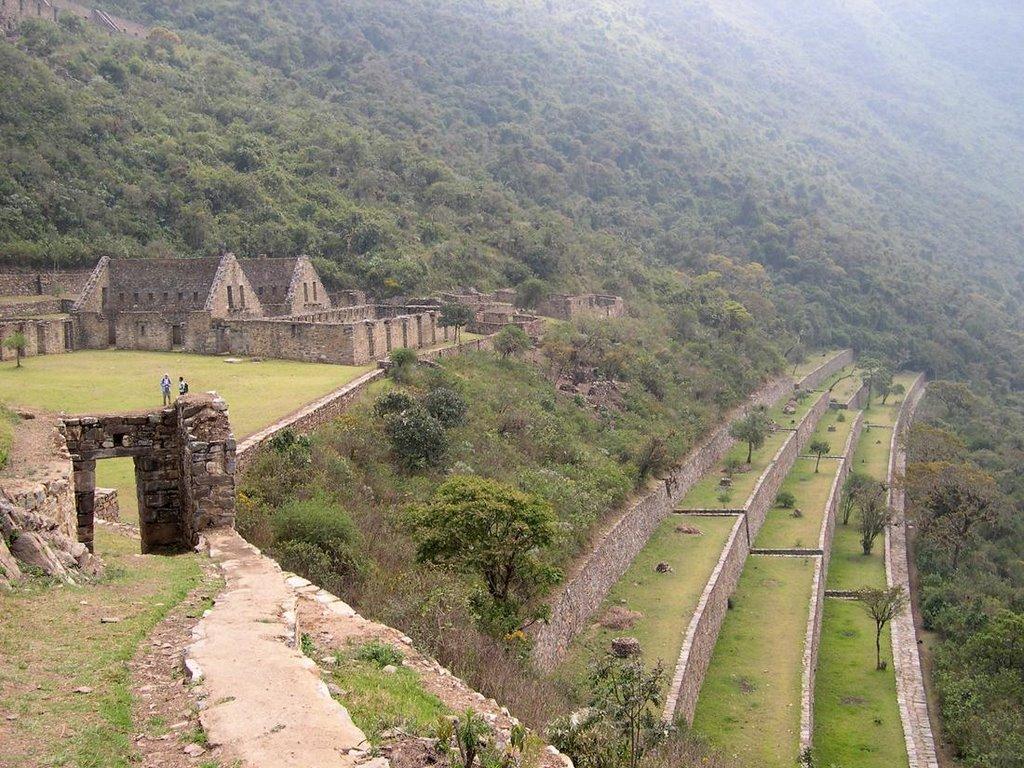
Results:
x,y
749,704
856,717
65,696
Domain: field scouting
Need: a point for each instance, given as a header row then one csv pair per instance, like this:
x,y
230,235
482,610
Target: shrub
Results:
x,y
785,499
733,464
379,653
392,401
403,361
317,539
447,406
417,438
511,340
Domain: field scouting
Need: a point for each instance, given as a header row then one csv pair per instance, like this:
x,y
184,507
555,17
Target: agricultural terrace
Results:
x,y
846,388
749,705
708,493
257,393
799,526
655,606
856,718
811,362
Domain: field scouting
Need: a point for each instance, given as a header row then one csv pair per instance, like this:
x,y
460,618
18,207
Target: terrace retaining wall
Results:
x,y
910,690
617,546
815,613
813,379
706,622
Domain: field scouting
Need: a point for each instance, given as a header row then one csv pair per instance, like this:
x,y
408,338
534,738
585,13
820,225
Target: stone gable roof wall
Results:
x,y
145,276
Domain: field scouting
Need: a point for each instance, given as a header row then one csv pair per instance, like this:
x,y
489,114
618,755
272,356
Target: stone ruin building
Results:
x,y
261,307
184,457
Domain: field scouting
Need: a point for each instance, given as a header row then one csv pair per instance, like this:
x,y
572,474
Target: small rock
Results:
x,y
193,750
11,717
328,660
110,620
83,689
335,689
390,669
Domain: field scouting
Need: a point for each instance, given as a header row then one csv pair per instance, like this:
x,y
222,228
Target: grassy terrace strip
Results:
x,y
52,642
749,703
258,394
664,601
812,363
782,528
847,387
856,717
707,493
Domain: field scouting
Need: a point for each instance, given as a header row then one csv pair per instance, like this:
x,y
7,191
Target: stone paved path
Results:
x,y
265,702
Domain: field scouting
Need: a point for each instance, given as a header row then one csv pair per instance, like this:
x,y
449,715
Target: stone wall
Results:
x,y
814,379
184,467
910,690
106,506
569,307
816,609
706,622
23,308
43,336
46,487
857,400
43,283
615,547
316,414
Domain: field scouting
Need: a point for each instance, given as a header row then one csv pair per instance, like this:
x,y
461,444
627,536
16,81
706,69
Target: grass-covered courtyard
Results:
x,y
96,381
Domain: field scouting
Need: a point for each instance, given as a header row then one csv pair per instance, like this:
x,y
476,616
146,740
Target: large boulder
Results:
x,y
30,548
9,570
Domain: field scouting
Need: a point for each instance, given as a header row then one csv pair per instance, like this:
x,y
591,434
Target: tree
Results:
x,y
891,389
446,405
881,605
949,501
877,375
652,457
531,292
403,360
628,695
855,484
752,429
16,341
819,448
873,513
416,437
392,401
511,340
955,395
455,316
479,526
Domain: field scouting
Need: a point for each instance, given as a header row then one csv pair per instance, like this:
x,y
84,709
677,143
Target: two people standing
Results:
x,y
165,387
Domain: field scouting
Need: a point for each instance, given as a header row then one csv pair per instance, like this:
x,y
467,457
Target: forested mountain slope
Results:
x,y
858,154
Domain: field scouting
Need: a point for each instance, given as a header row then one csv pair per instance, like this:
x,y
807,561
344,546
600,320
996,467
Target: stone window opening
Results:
x,y
135,297
142,329
181,296
273,290
231,297
314,293
120,297
295,330
305,292
241,295
103,297
151,298
195,297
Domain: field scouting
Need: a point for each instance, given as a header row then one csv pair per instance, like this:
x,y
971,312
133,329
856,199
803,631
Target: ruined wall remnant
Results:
x,y
184,468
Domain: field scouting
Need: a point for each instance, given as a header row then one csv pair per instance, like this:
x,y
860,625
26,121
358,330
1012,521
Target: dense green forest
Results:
x,y
750,174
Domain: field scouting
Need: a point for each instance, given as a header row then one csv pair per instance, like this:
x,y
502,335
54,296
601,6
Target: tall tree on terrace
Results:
x,y
752,429
819,448
16,342
874,513
882,605
455,316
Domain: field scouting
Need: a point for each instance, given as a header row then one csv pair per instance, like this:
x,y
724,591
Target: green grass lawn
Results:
x,y
664,600
52,641
840,423
705,492
93,381
749,704
781,529
856,720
